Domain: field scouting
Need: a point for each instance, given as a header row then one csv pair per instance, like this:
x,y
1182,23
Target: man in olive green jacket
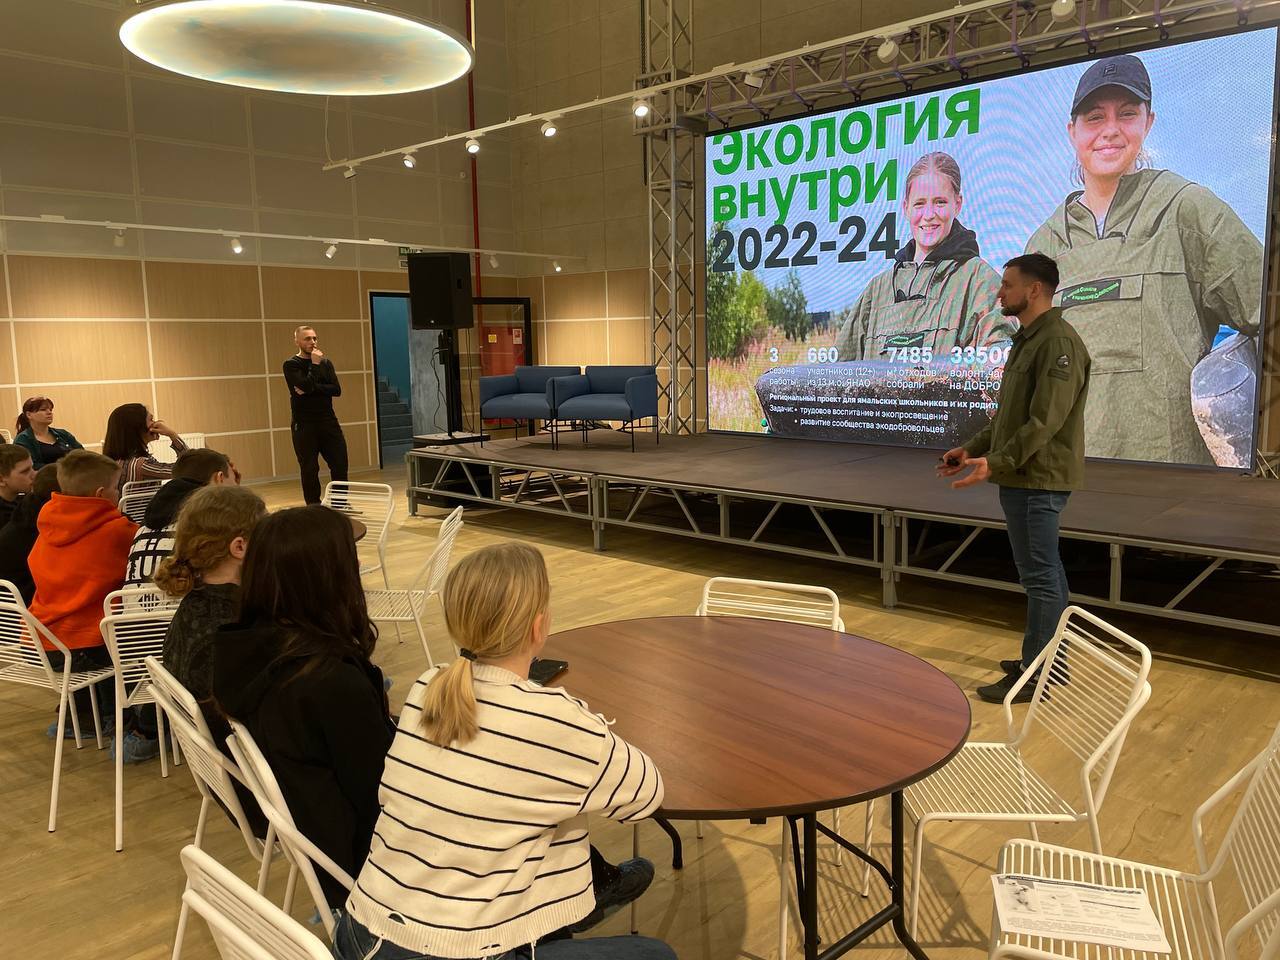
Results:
x,y
1034,450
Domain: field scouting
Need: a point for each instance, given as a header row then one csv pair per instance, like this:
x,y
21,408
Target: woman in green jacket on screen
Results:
x,y
46,443
939,294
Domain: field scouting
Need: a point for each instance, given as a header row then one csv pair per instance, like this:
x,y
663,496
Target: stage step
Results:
x,y
395,419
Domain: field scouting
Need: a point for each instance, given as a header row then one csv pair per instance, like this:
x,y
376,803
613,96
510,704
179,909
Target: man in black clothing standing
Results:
x,y
312,386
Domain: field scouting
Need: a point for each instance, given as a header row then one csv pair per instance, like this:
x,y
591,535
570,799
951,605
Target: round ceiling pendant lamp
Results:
x,y
323,47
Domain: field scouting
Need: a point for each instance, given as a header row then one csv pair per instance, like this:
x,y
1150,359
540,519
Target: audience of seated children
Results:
x,y
16,476
192,470
18,536
46,443
79,558
210,540
481,849
129,429
296,670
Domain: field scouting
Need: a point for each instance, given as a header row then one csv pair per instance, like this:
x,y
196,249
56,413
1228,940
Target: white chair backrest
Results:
x,y
134,506
770,600
132,636
21,652
161,448
1092,682
432,573
141,486
373,504
1251,846
245,924
214,771
6,435
148,599
299,849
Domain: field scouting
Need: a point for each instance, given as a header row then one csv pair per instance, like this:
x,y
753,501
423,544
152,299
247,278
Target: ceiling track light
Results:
x,y
118,239
349,173
753,79
548,128
493,262
888,50
555,264
331,251
640,108
409,160
236,246
473,145
1062,9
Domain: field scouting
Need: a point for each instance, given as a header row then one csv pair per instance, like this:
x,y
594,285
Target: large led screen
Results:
x,y
854,257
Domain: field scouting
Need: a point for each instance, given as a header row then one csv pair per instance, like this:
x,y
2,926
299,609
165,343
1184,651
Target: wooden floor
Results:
x,y
1215,702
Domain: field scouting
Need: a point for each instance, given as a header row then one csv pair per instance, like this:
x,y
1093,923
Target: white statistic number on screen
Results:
x,y
983,355
823,354
910,354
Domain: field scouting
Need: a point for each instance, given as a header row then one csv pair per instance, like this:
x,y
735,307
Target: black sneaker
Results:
x,y
996,692
1011,667
634,877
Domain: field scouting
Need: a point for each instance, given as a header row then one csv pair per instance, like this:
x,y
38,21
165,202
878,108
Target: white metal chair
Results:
x,y
794,603
23,660
215,774
133,628
136,495
1185,903
161,448
374,505
6,436
245,925
408,605
301,853
1091,681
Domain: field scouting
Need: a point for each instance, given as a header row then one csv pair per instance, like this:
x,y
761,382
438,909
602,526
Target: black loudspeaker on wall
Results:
x,y
440,291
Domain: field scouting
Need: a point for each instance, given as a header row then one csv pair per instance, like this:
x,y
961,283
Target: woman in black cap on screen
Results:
x,y
1152,266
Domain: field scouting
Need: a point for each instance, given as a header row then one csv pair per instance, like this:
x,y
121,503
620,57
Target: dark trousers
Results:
x,y
323,438
1032,518
89,658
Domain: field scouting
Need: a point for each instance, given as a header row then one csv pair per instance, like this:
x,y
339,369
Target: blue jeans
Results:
x,y
351,941
1032,518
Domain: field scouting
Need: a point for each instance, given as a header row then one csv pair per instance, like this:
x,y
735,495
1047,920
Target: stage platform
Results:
x,y
1191,544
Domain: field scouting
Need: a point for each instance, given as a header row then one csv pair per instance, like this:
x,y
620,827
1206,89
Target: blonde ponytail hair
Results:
x,y
208,521
491,599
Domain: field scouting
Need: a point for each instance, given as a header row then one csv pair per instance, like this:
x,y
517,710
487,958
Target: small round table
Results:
x,y
358,529
750,718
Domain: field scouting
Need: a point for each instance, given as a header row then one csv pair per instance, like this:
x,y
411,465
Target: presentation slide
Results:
x,y
854,257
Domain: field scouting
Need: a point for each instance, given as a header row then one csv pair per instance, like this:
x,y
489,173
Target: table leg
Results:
x,y
899,885
809,894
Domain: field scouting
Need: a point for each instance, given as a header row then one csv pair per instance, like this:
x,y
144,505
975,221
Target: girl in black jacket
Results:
x,y
296,671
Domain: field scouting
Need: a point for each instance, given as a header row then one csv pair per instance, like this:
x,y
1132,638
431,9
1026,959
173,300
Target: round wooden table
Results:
x,y
358,529
755,718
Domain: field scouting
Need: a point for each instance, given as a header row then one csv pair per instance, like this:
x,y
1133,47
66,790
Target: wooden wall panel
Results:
x,y
357,448
341,342
75,287
83,408
213,406
580,342
286,462
203,290
6,353
531,287
574,296
4,288
203,349
380,280
629,341
81,350
251,453
357,452
628,293
304,294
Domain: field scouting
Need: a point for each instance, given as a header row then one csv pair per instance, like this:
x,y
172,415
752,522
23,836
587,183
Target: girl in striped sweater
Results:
x,y
481,850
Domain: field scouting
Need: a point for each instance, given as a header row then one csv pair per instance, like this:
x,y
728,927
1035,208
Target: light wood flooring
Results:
x,y
69,895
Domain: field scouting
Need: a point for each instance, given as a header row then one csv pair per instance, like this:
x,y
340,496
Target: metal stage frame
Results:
x,y
860,535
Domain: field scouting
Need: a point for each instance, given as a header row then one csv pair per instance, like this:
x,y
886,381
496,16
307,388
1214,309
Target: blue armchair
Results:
x,y
626,394
522,395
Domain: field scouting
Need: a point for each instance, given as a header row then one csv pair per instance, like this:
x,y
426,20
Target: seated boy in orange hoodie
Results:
x,y
78,558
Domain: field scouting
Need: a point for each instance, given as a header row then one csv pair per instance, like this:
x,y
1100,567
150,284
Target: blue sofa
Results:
x,y
522,395
625,394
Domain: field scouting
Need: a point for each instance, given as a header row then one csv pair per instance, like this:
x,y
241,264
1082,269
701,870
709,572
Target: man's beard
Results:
x,y
1013,309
